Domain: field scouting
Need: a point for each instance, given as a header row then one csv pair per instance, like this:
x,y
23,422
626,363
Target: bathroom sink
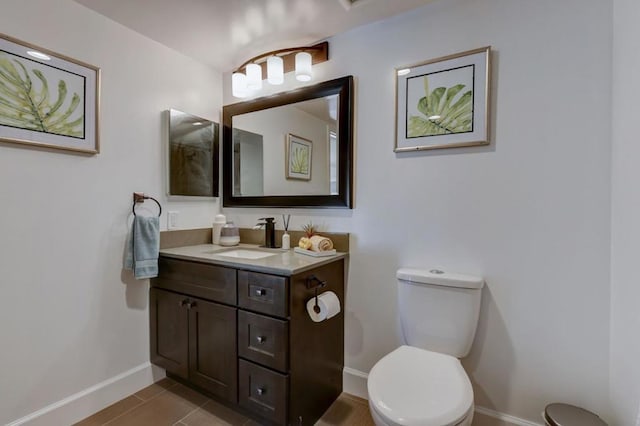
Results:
x,y
245,254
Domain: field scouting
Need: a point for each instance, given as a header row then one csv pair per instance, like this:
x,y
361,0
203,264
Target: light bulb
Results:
x,y
303,66
275,70
239,85
254,77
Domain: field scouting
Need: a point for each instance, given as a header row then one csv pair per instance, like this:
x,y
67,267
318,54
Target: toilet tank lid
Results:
x,y
438,277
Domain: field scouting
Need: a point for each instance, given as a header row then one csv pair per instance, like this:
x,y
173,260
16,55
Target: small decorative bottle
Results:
x,y
286,239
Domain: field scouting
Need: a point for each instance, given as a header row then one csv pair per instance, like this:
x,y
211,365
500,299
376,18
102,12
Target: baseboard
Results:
x,y
86,402
354,382
505,417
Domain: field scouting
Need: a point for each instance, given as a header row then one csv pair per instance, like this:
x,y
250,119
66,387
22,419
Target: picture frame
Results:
x,y
48,99
298,159
444,102
192,156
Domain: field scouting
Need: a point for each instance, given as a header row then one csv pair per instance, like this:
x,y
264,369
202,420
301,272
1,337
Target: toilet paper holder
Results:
x,y
315,283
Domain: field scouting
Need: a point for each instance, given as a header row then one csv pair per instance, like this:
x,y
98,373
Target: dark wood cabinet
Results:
x,y
169,327
195,340
246,338
212,348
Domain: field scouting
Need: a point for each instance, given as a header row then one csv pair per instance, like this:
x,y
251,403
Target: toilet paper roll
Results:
x,y
328,303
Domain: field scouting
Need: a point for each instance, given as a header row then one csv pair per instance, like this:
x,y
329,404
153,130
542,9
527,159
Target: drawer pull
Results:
x,y
261,391
261,292
261,339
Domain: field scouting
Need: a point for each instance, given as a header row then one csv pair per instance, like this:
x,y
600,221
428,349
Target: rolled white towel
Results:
x,y
320,243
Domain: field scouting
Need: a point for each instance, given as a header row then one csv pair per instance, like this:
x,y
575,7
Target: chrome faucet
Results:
x,y
269,231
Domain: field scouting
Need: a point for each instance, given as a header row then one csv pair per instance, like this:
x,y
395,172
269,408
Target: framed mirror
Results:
x,y
293,149
192,156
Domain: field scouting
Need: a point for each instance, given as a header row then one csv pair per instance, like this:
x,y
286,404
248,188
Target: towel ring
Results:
x,y
139,198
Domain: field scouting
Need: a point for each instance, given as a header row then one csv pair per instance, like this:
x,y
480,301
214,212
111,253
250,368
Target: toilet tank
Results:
x,y
439,310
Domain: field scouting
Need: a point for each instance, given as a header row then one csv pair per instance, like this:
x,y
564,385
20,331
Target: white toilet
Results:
x,y
424,384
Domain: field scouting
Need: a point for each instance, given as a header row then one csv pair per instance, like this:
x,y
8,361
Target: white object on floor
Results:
x,y
428,387
424,384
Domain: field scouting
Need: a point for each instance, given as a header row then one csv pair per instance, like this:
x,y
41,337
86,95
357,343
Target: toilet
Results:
x,y
423,383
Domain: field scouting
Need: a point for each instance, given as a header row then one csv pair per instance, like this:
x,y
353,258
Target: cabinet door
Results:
x,y
169,331
213,348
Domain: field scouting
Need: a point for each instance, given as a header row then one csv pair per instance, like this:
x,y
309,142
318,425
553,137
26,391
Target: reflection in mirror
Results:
x,y
193,155
248,177
301,133
293,149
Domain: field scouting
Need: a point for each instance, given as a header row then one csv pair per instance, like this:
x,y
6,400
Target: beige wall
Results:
x,y
625,289
530,213
68,318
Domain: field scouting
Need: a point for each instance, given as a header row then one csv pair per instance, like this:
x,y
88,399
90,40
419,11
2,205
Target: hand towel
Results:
x,y
320,243
143,247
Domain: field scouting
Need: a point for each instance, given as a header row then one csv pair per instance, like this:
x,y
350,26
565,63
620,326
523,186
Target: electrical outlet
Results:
x,y
172,220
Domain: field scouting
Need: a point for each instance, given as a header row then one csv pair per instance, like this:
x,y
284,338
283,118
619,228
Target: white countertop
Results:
x,y
284,262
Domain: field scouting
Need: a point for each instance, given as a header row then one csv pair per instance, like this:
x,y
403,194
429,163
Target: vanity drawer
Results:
x,y
210,282
263,340
263,391
263,293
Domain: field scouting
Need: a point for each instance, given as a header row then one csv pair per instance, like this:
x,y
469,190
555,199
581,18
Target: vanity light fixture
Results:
x,y
239,87
275,70
303,66
247,78
254,77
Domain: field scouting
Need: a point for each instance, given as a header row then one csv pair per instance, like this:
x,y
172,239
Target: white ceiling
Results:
x,y
225,33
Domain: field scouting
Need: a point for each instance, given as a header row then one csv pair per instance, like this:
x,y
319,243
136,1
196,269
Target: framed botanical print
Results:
x,y
443,102
48,99
298,157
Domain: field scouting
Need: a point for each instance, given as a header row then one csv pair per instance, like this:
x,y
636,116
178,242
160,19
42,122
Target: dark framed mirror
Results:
x,y
293,149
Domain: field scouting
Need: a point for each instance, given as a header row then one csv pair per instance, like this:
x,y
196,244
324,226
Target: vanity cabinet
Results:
x,y
244,337
195,339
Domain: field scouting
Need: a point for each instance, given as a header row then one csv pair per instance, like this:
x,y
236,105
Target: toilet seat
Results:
x,y
416,387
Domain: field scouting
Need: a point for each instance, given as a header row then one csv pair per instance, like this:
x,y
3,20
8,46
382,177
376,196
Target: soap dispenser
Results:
x,y
229,235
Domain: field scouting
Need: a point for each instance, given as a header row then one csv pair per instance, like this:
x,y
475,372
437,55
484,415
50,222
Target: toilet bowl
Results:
x,y
416,387
423,383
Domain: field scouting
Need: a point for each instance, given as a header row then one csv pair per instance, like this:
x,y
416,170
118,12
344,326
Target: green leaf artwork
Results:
x,y
26,101
300,160
446,111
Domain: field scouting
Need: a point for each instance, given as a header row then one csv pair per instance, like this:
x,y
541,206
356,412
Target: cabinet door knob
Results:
x,y
261,391
191,305
183,302
261,339
261,292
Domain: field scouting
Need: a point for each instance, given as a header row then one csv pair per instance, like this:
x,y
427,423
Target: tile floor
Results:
x,y
169,403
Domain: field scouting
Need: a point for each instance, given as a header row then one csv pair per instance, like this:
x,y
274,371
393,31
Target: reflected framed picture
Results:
x,y
193,155
443,102
48,99
298,152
